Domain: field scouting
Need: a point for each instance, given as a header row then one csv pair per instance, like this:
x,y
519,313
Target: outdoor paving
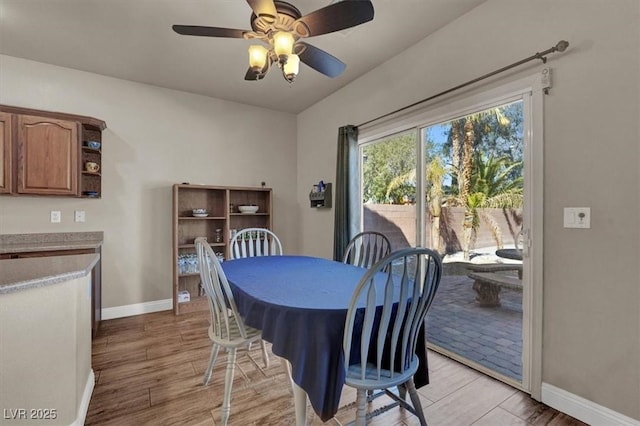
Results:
x,y
492,337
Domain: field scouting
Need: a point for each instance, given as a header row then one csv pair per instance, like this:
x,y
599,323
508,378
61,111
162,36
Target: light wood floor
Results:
x,y
149,372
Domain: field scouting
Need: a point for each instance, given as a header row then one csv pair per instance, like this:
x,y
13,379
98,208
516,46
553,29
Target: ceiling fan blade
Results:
x,y
263,8
337,16
195,30
320,60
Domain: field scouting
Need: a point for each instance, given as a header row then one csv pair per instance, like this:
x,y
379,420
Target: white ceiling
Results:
x,y
133,40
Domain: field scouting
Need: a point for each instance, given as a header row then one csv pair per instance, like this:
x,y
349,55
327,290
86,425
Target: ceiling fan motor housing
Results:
x,y
284,21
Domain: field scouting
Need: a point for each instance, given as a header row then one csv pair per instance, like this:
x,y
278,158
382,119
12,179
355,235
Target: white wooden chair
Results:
x,y
251,242
366,248
227,328
391,329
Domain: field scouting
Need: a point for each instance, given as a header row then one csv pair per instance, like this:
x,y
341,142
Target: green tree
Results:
x,y
493,176
479,165
497,132
435,173
492,187
383,162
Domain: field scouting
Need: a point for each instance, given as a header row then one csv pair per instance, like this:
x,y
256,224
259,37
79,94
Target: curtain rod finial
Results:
x,y
562,45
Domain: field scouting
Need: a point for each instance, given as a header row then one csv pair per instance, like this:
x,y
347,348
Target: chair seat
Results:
x,y
371,381
235,339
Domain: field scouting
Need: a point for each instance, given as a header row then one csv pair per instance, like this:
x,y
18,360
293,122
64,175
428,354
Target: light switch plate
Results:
x,y
56,216
79,216
577,217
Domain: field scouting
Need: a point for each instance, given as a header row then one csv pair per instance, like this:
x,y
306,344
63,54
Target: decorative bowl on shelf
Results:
x,y
90,194
247,209
199,212
93,144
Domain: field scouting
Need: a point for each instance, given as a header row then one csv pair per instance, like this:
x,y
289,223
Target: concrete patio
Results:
x,y
489,336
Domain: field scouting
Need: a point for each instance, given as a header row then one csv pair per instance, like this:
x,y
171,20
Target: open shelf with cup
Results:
x,y
212,212
90,163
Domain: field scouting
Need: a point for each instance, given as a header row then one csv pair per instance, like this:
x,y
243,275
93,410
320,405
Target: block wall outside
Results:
x,y
398,222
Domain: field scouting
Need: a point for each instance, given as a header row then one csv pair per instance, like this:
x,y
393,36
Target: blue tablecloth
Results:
x,y
300,304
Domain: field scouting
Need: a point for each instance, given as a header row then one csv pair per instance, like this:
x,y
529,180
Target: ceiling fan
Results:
x,y
281,27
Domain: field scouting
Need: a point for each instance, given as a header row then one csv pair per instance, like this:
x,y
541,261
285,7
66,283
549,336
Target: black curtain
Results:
x,y
346,190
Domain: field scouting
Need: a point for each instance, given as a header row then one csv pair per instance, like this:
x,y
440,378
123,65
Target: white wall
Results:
x,y
591,342
154,138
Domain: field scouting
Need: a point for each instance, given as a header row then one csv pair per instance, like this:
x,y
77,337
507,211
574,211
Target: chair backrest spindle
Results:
x,y
366,248
252,242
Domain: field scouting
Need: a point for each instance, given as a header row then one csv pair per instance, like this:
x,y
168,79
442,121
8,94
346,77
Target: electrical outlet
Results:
x,y
79,215
56,216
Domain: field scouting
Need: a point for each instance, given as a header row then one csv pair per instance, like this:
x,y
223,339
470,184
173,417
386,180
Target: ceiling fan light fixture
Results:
x,y
291,68
283,45
282,28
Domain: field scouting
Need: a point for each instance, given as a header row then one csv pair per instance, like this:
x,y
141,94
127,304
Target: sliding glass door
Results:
x,y
456,184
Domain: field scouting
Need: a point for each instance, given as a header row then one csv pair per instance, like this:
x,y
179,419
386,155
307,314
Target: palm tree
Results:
x,y
435,177
465,196
455,152
492,187
492,175
464,176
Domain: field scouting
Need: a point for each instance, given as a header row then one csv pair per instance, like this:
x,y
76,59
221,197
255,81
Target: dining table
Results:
x,y
300,304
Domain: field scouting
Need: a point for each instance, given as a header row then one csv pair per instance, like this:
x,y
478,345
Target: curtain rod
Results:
x,y
561,46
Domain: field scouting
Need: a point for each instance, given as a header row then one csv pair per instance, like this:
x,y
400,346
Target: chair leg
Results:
x,y
402,392
361,408
415,400
265,355
228,383
212,360
287,369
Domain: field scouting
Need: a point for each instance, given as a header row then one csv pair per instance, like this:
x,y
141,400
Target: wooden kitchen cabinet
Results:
x,y
5,152
47,156
44,153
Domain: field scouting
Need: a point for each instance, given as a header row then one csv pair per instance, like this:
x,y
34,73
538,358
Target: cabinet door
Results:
x,y
5,152
47,156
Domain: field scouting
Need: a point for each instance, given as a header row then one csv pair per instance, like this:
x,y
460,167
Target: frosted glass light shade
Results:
x,y
283,43
257,56
291,67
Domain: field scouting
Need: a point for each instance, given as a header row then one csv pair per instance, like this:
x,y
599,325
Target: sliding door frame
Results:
x,y
530,91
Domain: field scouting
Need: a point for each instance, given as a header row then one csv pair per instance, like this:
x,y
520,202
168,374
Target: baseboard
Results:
x,y
83,408
137,309
583,409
